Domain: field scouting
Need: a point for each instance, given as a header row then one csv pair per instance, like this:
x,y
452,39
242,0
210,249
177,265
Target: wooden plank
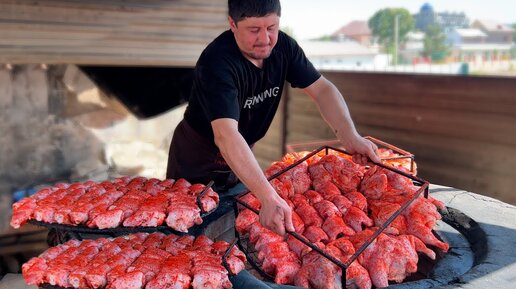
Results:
x,y
432,91
109,32
461,129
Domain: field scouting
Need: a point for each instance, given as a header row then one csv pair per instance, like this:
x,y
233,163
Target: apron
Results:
x,y
198,160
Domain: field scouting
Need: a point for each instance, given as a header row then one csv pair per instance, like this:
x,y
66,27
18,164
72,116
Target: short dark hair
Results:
x,y
241,9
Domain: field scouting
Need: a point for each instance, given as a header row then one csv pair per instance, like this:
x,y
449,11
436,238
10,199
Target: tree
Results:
x,y
435,45
288,30
382,26
514,33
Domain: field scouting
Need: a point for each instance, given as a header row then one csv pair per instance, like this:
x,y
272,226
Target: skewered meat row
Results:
x,y
129,202
338,211
153,261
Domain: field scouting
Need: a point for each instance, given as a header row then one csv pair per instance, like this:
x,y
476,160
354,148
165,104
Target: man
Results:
x,y
237,86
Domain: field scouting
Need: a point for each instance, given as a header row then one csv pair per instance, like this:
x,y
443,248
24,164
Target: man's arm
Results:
x,y
275,214
335,112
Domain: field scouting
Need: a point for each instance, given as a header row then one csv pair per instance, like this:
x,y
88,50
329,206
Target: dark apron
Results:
x,y
197,159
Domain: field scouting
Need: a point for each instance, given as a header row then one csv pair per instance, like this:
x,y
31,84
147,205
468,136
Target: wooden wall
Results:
x,y
111,32
462,130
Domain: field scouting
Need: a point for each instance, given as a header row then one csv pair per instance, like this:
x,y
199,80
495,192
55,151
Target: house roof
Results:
x,y
353,28
492,26
331,48
484,47
415,36
470,32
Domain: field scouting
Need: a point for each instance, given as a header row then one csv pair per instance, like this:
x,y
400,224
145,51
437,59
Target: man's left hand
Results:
x,y
362,149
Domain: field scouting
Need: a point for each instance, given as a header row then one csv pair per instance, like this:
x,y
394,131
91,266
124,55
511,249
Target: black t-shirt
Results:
x,y
227,85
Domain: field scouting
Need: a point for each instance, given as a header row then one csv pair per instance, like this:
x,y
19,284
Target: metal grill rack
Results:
x,y
246,247
224,263
78,232
334,143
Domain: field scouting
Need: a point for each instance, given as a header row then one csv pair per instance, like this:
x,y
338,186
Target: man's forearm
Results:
x,y
334,110
241,160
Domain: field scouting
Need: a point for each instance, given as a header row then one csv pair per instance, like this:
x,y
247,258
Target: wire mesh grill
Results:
x,y
251,253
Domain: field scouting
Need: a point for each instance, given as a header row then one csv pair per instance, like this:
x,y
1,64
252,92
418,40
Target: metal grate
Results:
x,y
246,247
75,232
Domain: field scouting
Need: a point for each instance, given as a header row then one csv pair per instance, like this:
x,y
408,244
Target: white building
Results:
x,y
474,46
343,55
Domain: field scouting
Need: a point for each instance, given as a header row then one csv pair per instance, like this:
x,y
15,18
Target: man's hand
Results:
x,y
276,215
362,148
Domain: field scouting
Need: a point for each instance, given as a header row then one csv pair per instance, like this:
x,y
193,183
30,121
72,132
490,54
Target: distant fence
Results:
x,y
461,129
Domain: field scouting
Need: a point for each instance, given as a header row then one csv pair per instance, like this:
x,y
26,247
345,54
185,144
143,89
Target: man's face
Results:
x,y
256,36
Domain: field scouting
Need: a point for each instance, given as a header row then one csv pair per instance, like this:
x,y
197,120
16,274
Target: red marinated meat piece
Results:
x,y
309,215
183,212
327,209
356,218
341,202
315,234
245,219
313,197
151,213
335,227
250,200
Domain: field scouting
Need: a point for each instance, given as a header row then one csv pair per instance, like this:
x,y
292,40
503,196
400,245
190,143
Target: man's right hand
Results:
x,y
276,215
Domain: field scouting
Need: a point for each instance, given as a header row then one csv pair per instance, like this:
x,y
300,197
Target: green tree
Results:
x,y
382,26
435,43
514,33
324,38
288,30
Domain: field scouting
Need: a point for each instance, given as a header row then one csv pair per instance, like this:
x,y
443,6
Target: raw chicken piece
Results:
x,y
236,259
421,217
167,183
210,199
341,202
327,189
313,197
319,174
300,178
174,274
373,185
345,173
244,220
297,246
183,213
134,280
281,188
355,218
23,213
34,271
299,225
318,272
327,209
260,236
382,211
151,213
358,200
309,215
335,227
315,234
299,200
251,201
181,185
208,272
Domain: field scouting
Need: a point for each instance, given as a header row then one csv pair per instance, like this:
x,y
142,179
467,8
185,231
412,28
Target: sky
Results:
x,y
309,18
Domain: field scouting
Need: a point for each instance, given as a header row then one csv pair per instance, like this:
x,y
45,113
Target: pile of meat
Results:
x,y
129,202
152,261
337,205
397,160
